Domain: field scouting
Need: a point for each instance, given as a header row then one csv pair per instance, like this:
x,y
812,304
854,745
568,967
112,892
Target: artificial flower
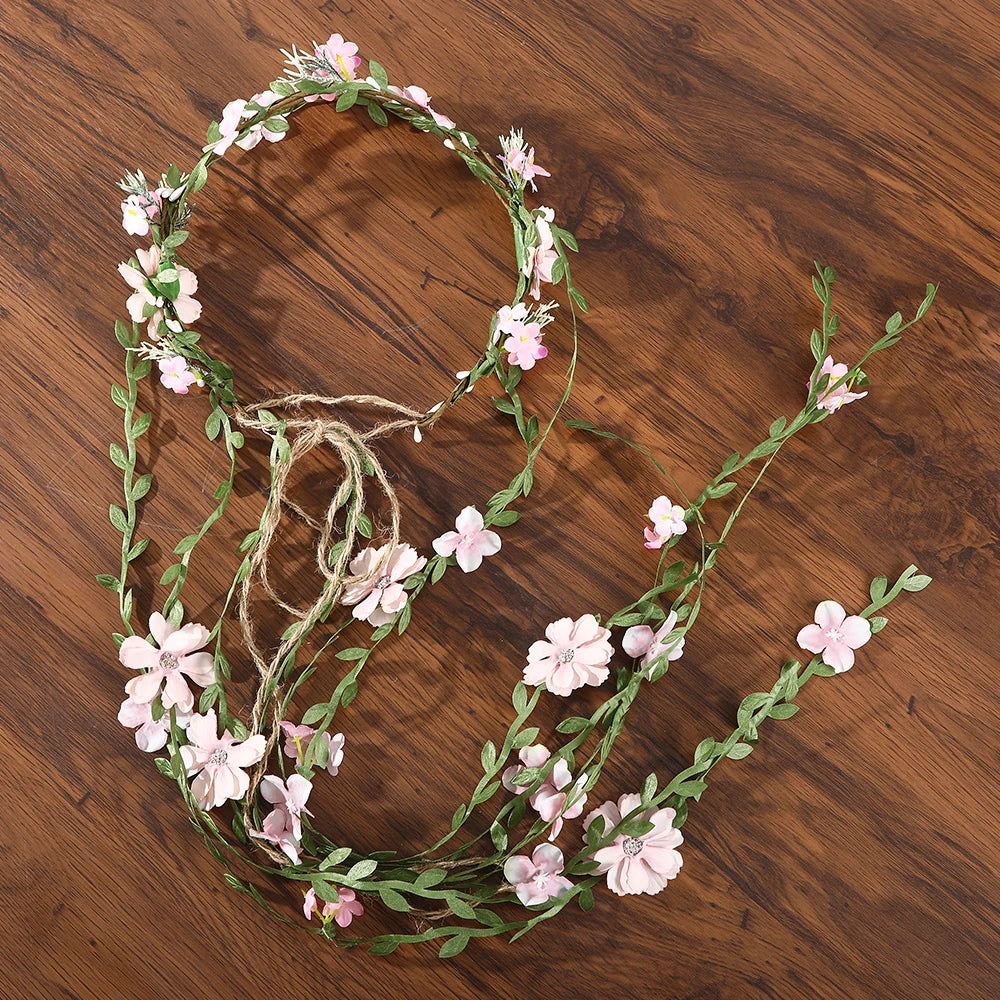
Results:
x,y
668,520
185,306
175,374
297,738
541,257
381,598
833,399
576,653
417,95
232,123
283,824
341,56
558,798
168,666
638,864
218,761
641,640
539,878
521,164
469,542
835,635
343,911
150,735
524,345
137,212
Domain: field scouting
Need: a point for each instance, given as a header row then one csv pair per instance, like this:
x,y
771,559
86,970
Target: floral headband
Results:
x,y
260,770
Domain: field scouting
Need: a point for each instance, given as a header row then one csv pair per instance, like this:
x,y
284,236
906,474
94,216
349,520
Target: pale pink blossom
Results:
x,y
539,878
559,797
668,520
509,319
417,95
175,374
297,738
138,210
343,911
576,653
218,761
833,399
638,864
283,824
641,640
469,542
234,114
524,345
835,635
185,306
521,164
150,735
380,598
168,666
341,55
543,255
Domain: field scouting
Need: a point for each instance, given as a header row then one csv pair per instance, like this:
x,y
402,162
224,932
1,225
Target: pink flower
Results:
x,y
558,797
218,761
137,212
340,55
169,665
175,374
577,653
469,542
641,640
417,95
522,165
543,255
668,520
185,307
835,635
833,399
524,346
149,735
380,599
283,825
638,864
343,911
231,124
537,879
509,319
297,739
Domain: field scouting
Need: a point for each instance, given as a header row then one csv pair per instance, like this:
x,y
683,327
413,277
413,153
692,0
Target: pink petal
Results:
x,y
518,868
446,544
839,655
856,631
541,651
133,278
654,540
200,667
272,789
469,521
364,610
186,640
559,632
488,542
151,737
225,783
812,638
202,790
159,627
469,557
829,614
188,310
203,730
663,860
176,692
137,654
246,753
629,878
134,713
145,687
548,858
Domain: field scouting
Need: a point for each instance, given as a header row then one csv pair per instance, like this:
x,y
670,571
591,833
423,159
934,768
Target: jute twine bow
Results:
x,y
333,554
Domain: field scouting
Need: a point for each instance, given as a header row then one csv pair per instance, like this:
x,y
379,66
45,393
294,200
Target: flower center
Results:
x,y
834,634
632,846
218,757
566,655
541,880
168,661
382,582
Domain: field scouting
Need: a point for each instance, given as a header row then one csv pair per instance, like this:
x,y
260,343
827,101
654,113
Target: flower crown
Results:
x,y
513,875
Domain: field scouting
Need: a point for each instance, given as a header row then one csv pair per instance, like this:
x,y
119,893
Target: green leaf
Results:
x,y
314,713
503,405
109,582
893,323
141,424
916,583
213,424
377,114
335,858
118,455
282,88
430,878
170,574
488,757
877,623
119,395
877,589
730,463
459,817
276,124
777,427
519,697
186,544
124,334
362,869
354,653
503,518
453,946
349,693
118,518
141,486
377,72
394,900
198,178
816,343
346,100
574,724
382,947
739,751
783,711
137,549
461,908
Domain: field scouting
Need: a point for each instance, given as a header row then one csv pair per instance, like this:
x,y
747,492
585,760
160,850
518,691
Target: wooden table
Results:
x,y
705,154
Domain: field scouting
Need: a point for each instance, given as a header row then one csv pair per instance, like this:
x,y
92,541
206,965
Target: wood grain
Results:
x,y
705,153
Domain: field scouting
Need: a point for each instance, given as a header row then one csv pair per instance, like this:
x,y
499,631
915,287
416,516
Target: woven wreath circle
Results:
x,y
263,767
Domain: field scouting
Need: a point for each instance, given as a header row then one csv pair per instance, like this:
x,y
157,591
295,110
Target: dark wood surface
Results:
x,y
705,153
